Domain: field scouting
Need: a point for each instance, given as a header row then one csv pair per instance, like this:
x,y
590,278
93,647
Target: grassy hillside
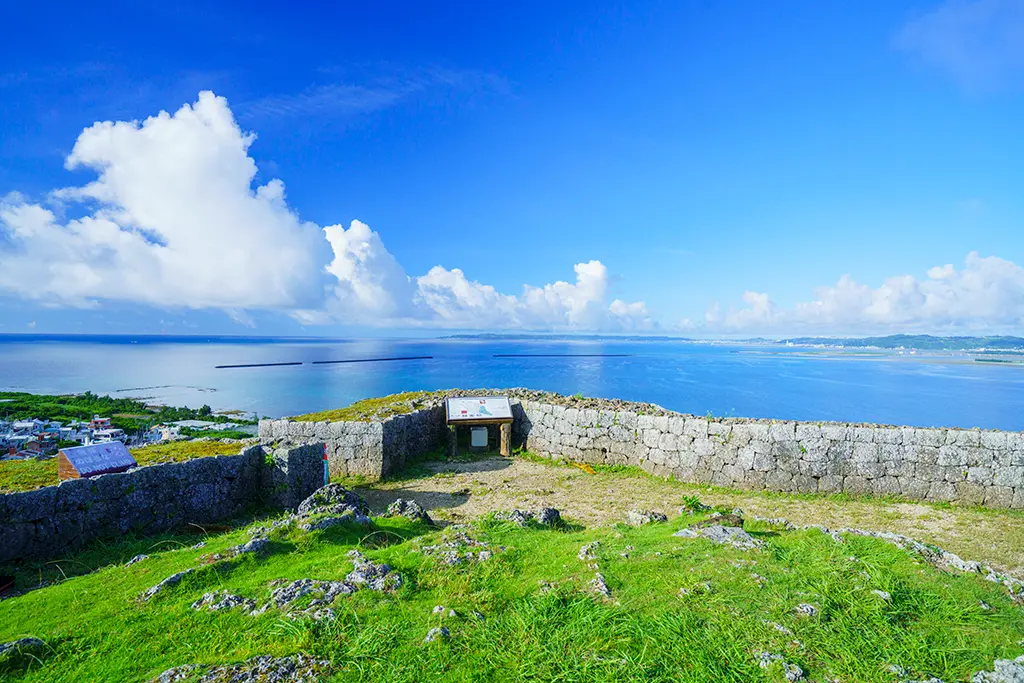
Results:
x,y
681,609
376,408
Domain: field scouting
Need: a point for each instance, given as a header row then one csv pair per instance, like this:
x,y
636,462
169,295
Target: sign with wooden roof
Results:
x,y
92,460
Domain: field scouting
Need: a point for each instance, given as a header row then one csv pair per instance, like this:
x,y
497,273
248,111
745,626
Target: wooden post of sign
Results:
x,y
453,441
506,439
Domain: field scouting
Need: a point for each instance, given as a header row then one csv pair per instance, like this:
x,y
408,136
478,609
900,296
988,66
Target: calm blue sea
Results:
x,y
729,380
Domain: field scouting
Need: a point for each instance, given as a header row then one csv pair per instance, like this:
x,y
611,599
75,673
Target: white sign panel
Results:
x,y
479,408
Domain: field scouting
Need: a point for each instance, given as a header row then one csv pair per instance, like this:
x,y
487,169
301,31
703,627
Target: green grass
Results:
x,y
376,408
95,628
26,475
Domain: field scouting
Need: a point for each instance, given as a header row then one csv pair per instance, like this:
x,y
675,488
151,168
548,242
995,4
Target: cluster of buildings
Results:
x,y
39,438
34,438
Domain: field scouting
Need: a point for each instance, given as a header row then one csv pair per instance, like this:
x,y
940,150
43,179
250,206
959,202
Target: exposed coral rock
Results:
x,y
169,582
263,669
409,509
723,535
641,517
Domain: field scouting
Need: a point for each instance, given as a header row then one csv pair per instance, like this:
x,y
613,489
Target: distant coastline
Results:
x,y
909,342
920,342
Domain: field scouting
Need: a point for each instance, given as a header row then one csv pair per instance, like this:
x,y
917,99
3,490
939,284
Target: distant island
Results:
x,y
923,342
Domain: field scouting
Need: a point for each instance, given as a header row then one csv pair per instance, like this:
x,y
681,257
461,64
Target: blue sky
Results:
x,y
692,168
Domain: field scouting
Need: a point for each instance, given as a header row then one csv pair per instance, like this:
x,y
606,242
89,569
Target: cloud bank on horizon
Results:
x,y
173,221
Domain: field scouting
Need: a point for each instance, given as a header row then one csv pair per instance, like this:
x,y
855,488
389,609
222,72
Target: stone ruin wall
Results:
x,y
970,466
50,521
370,449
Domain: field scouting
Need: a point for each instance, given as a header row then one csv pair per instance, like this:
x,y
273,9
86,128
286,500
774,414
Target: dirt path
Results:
x,y
465,490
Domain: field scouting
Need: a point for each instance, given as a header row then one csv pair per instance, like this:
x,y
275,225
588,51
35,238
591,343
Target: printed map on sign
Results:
x,y
479,408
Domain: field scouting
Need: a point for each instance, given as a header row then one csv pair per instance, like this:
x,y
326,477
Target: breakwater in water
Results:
x,y
971,466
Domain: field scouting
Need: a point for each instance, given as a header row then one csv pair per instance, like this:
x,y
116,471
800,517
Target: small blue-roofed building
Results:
x,y
92,460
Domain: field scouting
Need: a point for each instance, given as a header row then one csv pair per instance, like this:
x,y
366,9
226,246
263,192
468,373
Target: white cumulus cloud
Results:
x,y
372,288
173,220
986,294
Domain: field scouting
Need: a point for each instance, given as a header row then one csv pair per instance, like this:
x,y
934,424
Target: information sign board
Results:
x,y
479,409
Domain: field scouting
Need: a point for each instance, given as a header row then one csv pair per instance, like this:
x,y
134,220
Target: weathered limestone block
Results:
x,y
806,431
888,435
885,486
954,474
717,428
899,468
777,480
980,475
830,483
645,422
782,431
788,463
942,491
862,434
836,432
857,485
998,496
785,449
668,442
620,433
815,450
814,468
869,470
929,437
1009,476
864,452
963,437
626,419
755,480
696,427
763,462
993,440
914,488
740,434
970,493
651,438
703,446
733,474
951,456
979,457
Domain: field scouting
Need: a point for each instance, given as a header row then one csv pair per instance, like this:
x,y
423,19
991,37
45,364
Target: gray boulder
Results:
x,y
723,535
642,517
334,499
23,647
440,633
409,509
264,669
1005,671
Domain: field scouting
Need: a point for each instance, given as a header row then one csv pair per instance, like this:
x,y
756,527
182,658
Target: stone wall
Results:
x,y
50,521
966,465
412,436
370,449
352,447
931,464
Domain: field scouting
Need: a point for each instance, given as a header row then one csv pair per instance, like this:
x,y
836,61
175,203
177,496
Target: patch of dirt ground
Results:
x,y
460,490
